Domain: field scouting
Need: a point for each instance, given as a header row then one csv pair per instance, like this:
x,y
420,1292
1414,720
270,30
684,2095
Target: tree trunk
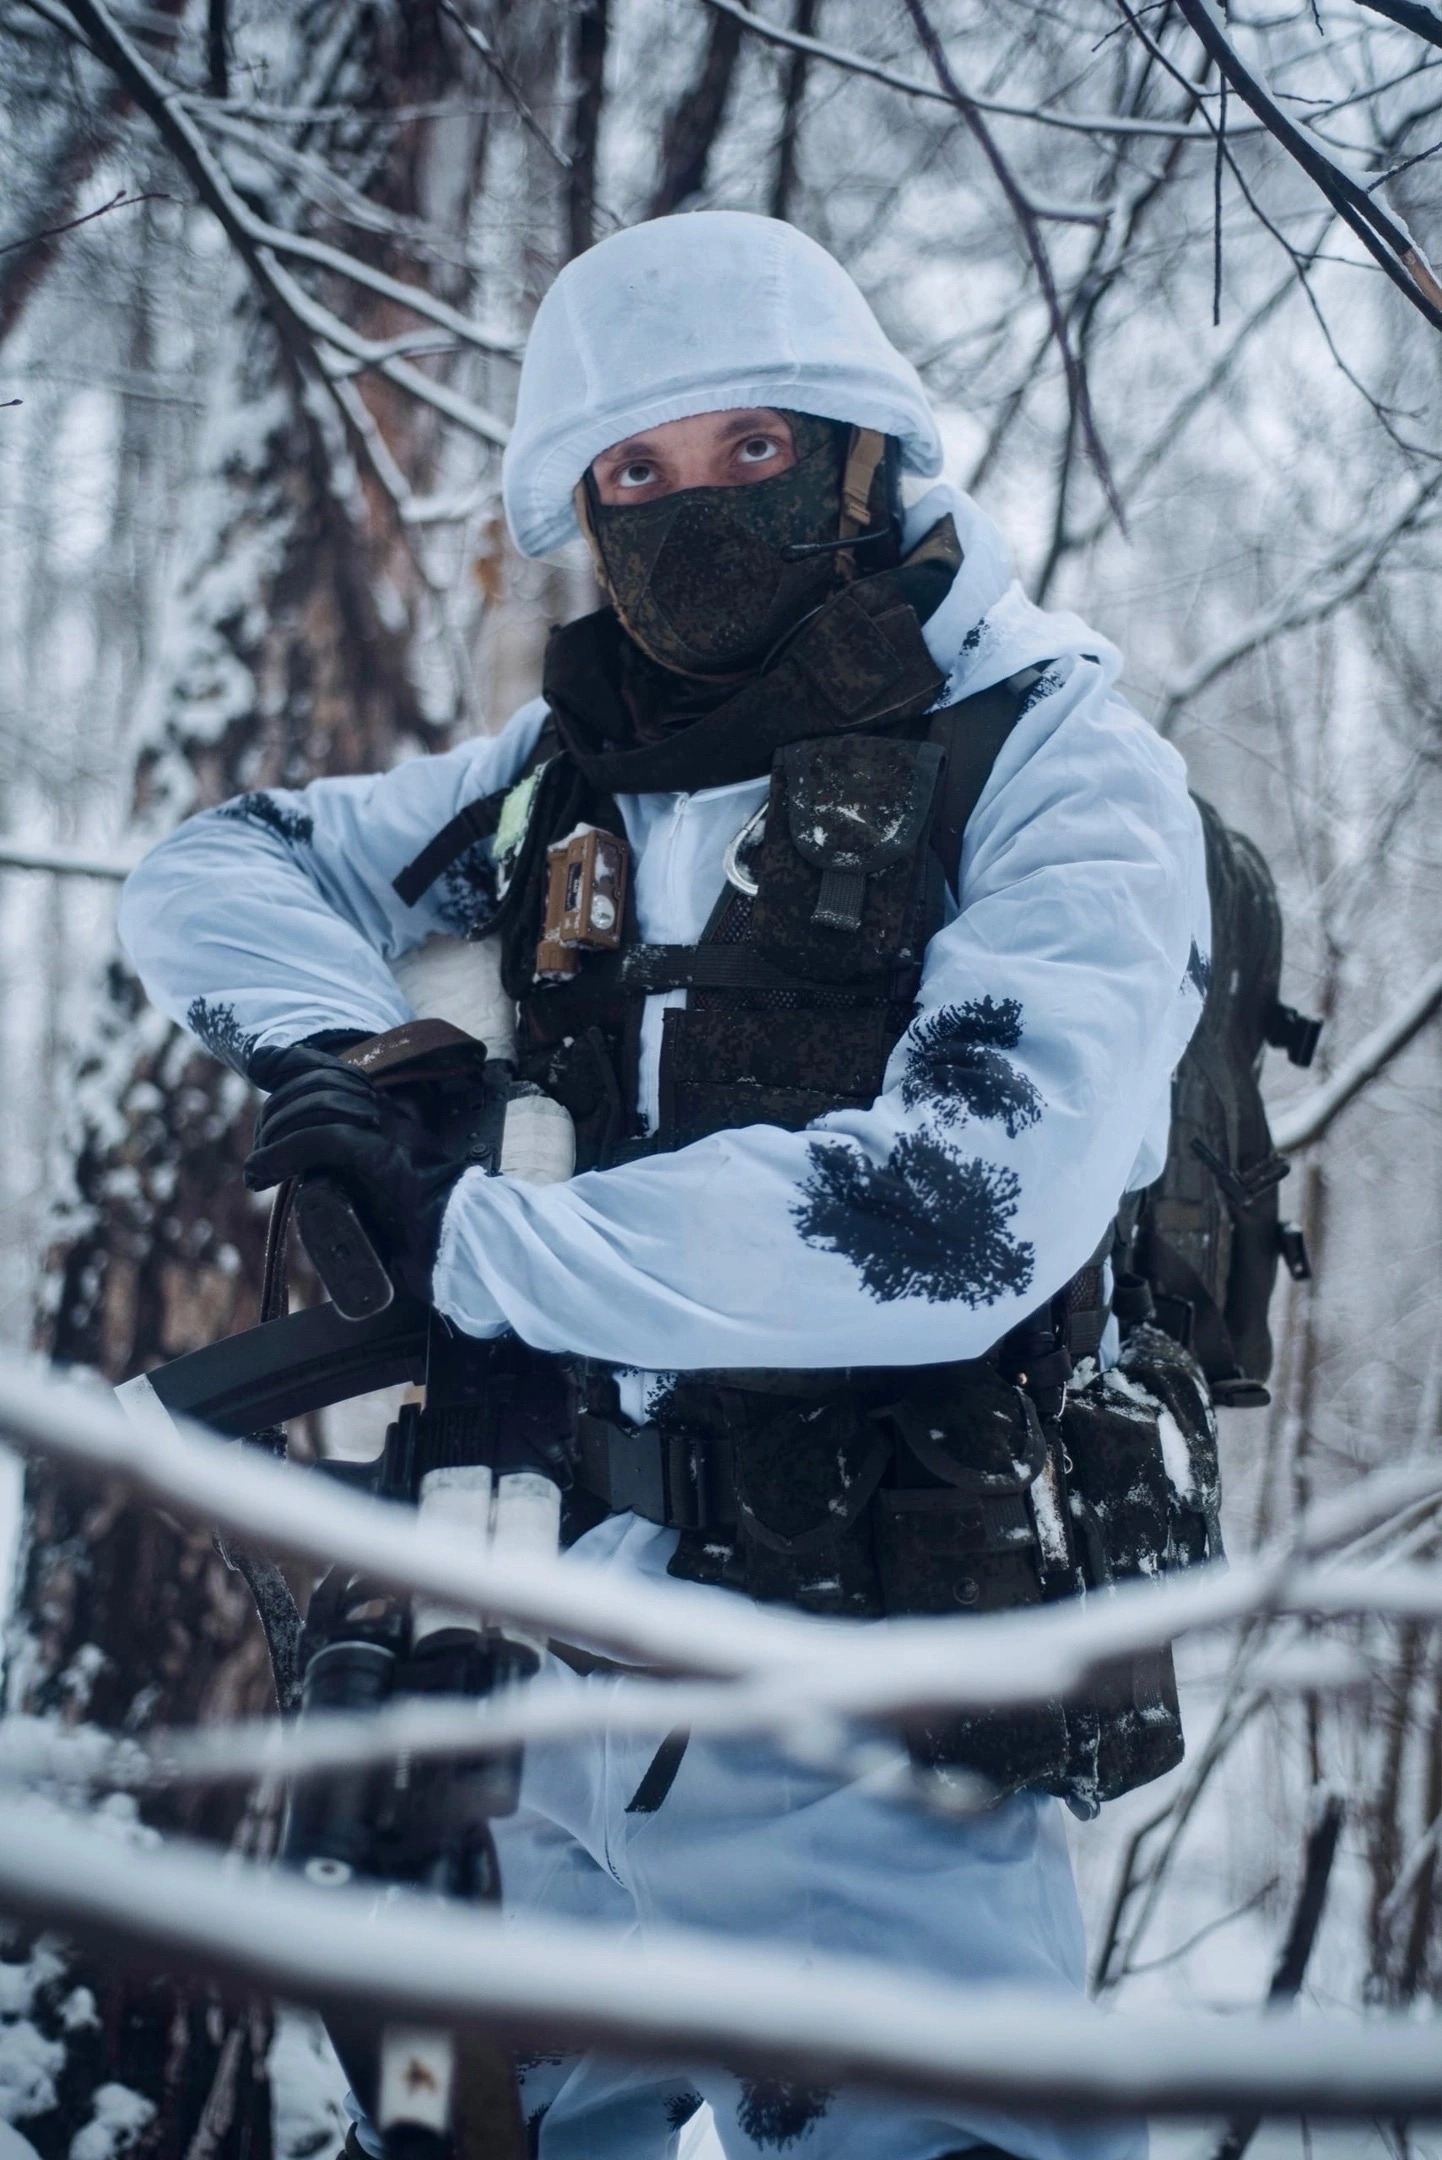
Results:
x,y
288,663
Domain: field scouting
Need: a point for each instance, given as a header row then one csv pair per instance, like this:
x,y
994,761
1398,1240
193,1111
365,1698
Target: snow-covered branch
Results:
x,y
63,861
1314,595
1076,123
686,1997
35,1752
300,318
818,1669
1300,1123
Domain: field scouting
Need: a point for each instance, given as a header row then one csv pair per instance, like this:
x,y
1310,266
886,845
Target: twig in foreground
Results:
x,y
119,201
686,1996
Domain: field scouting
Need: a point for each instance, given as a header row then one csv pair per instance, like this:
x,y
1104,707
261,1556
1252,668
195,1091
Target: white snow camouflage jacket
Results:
x,y
917,1231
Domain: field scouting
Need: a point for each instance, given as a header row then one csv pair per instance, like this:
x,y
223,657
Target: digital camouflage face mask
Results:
x,y
700,579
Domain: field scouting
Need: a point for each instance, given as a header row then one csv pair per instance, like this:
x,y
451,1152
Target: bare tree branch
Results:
x,y
217,48
1319,1851
480,43
1314,595
1381,235
118,201
854,63
1078,394
783,182
593,19
1301,1123
1423,22
82,148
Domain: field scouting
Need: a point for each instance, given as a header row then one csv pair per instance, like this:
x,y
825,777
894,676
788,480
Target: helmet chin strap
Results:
x,y
868,448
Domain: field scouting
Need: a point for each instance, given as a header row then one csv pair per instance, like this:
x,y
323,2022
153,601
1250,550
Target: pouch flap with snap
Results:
x,y
857,804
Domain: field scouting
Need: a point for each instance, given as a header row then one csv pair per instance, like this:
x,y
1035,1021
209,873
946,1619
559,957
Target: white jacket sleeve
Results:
x,y
1053,1010
273,917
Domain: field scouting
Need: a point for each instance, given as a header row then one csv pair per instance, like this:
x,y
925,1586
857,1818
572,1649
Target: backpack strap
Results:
x,y
972,734
477,821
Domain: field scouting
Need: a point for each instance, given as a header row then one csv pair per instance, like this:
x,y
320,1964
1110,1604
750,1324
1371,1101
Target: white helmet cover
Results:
x,y
702,312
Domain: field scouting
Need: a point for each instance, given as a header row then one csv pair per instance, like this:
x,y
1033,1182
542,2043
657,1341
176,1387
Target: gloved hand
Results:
x,y
323,1115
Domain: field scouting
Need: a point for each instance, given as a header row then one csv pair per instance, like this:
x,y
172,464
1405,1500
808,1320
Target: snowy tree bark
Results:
x,y
290,654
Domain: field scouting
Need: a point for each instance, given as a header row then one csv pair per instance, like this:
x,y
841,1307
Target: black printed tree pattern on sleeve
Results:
x,y
955,1066
295,827
214,1023
775,2112
927,1223
931,1222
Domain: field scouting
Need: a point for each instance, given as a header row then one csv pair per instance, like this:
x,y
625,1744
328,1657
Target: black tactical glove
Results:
x,y
323,1115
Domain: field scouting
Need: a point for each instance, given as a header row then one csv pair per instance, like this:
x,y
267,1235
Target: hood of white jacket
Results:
x,y
703,312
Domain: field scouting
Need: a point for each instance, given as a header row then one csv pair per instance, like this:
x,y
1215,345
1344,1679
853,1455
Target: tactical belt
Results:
x,y
679,1479
686,1481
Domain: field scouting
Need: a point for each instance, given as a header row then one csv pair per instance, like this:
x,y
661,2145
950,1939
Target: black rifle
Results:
x,y
490,1435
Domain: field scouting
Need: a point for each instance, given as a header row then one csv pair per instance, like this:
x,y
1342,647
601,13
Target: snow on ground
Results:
x,y
307,2089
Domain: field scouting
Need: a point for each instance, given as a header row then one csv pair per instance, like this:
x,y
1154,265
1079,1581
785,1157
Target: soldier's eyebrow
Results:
x,y
757,420
634,446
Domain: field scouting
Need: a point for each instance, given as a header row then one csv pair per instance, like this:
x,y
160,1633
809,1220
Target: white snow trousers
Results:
x,y
750,1845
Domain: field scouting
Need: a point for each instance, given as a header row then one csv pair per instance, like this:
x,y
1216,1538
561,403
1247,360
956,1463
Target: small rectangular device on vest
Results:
x,y
585,900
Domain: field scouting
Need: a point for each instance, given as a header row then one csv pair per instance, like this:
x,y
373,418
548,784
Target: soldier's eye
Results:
x,y
757,449
637,474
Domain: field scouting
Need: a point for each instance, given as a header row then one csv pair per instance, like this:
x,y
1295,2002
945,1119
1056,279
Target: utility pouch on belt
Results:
x,y
1144,1493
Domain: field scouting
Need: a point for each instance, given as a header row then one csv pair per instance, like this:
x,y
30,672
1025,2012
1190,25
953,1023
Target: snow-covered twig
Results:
x,y
63,861
1317,593
690,1997
1300,1123
828,1669
855,63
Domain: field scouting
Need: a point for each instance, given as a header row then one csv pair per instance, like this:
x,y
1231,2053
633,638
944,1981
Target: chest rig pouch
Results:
x,y
822,938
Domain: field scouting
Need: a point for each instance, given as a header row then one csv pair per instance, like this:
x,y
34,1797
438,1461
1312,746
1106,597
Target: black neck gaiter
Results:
x,y
858,660
701,579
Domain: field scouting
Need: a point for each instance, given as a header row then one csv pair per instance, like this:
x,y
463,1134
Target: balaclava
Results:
x,y
706,581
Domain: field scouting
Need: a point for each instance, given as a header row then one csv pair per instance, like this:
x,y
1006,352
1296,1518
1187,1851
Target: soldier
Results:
x,y
855,924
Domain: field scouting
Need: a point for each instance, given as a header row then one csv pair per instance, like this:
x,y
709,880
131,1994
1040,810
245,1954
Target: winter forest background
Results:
x,y
265,270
